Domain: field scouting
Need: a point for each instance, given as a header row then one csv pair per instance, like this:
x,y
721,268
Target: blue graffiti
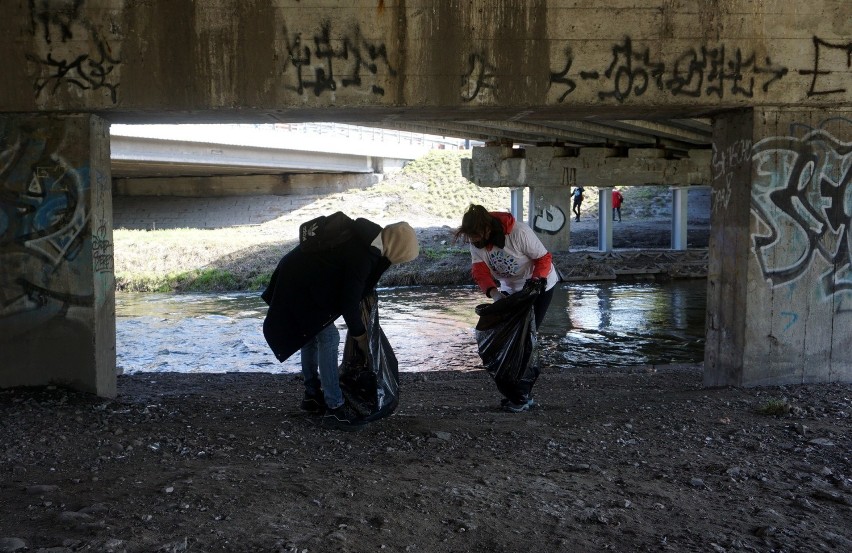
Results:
x,y
793,318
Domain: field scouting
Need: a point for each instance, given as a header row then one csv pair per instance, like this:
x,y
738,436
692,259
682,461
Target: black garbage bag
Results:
x,y
370,386
508,343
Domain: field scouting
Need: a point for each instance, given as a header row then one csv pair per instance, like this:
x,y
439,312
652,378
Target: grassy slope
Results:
x,y
430,191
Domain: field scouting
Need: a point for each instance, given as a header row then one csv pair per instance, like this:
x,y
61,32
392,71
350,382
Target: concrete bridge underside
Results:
x,y
773,79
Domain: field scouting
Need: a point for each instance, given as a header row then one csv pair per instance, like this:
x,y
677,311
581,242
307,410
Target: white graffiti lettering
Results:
x,y
802,200
550,221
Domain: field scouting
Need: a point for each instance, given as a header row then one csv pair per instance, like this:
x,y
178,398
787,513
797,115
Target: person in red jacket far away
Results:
x,y
505,254
617,199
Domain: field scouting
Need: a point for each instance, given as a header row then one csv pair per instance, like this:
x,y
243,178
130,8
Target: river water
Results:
x,y
430,328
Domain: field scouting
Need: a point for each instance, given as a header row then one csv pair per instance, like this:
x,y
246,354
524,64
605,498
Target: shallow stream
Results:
x,y
430,328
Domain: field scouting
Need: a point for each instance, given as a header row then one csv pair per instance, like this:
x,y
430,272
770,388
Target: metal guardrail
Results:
x,y
376,134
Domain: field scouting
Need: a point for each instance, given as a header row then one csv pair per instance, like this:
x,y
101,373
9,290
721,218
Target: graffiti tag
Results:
x,y
823,50
478,78
802,201
354,60
59,63
550,220
705,71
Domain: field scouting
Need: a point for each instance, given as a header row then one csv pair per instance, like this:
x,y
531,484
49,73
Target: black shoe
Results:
x,y
343,418
313,403
522,405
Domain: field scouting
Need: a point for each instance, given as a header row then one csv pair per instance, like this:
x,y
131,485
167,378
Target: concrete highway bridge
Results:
x,y
249,160
189,161
753,99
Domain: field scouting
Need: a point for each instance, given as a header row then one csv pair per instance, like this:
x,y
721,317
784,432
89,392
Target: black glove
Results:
x,y
538,284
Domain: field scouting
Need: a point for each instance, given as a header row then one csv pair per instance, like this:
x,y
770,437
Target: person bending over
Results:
x,y
505,254
310,289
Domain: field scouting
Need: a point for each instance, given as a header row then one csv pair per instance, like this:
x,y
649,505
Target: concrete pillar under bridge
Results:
x,y
779,300
57,290
550,217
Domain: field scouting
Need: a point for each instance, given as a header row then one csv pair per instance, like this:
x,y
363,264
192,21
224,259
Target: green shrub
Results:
x,y
774,406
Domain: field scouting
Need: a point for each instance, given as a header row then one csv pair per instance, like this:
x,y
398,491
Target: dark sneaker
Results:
x,y
524,405
313,403
343,418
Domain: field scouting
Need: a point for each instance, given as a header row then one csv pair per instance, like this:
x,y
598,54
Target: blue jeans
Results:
x,y
320,353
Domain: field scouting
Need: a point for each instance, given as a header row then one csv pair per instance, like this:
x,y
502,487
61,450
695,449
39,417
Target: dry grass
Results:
x,y
429,192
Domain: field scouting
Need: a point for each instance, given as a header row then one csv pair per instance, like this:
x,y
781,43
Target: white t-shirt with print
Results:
x,y
512,265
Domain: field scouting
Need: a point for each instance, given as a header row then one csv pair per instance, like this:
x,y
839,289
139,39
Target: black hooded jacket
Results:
x,y
309,291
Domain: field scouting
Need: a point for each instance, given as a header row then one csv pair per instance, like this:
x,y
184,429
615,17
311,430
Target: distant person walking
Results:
x,y
617,200
577,195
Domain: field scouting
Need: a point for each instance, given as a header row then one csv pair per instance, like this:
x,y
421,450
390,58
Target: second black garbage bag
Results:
x,y
508,341
370,386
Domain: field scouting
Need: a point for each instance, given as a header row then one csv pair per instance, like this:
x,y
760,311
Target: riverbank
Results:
x,y
643,459
243,238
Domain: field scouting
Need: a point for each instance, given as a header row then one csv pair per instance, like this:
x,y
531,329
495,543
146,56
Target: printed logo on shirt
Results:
x,y
502,263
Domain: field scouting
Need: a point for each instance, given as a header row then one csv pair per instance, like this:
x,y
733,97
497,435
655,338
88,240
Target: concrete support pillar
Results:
x,y
516,199
680,197
605,219
549,215
780,271
57,288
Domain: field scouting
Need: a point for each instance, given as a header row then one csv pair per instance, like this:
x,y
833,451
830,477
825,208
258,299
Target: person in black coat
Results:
x,y
312,287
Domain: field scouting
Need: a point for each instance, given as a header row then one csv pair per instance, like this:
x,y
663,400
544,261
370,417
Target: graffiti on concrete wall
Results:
x,y
43,228
102,254
802,201
479,80
59,34
710,70
549,220
824,80
326,64
723,165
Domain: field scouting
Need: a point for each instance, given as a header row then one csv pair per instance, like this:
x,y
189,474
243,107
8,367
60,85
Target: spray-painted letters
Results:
x,y
60,63
802,200
723,164
826,55
43,224
478,79
550,220
315,66
712,71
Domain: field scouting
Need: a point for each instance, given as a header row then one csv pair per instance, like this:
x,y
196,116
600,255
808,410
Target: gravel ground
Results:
x,y
643,459
637,460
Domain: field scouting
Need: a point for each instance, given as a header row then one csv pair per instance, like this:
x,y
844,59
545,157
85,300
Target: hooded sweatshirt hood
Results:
x,y
507,221
399,243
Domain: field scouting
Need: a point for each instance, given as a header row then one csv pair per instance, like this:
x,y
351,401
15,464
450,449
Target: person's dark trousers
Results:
x,y
540,306
539,311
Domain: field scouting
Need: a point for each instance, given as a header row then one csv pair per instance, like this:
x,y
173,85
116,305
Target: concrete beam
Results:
x,y
264,62
246,185
549,166
132,156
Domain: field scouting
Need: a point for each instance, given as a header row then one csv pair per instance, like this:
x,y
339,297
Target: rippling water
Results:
x,y
430,328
